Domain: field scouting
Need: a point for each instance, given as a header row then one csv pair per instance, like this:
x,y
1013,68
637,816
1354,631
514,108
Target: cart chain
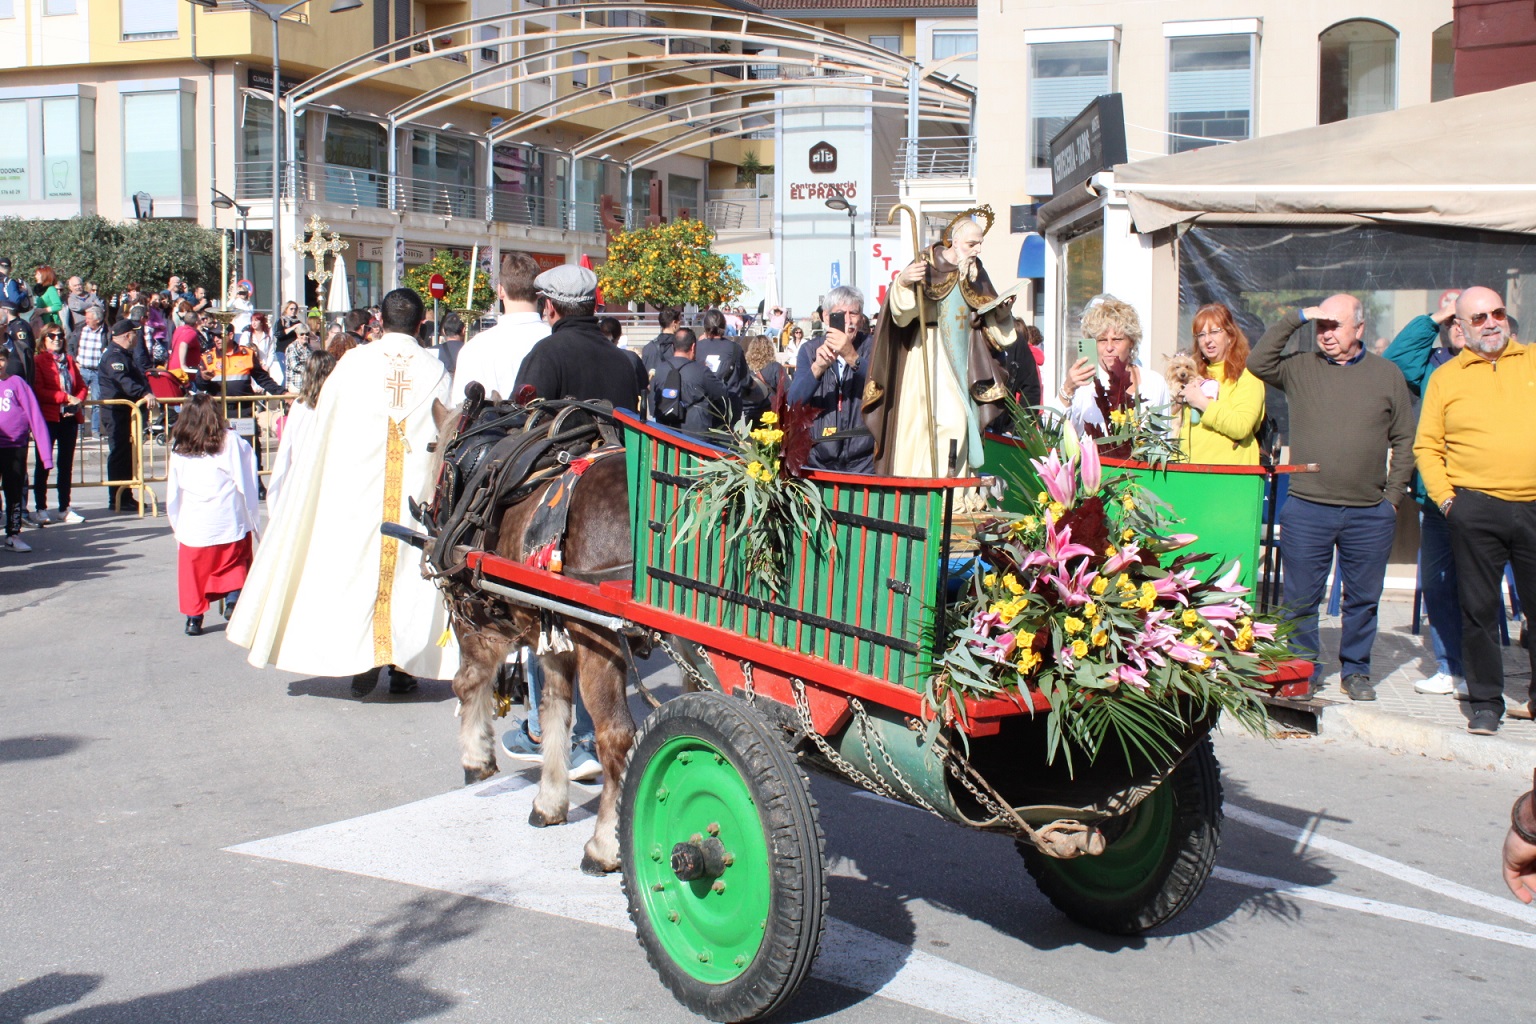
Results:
x,y
863,720
747,690
836,760
687,669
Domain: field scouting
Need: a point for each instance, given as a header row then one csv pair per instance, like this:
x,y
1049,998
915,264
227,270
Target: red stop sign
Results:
x,y
437,287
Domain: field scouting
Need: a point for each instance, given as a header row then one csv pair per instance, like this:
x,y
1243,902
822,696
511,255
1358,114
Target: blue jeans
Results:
x,y
1310,534
89,376
1437,577
582,732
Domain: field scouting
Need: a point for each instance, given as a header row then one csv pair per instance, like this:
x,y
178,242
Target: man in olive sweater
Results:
x,y
1350,409
1477,454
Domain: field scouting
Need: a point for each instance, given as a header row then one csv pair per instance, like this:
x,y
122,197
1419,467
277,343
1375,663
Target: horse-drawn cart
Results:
x,y
721,849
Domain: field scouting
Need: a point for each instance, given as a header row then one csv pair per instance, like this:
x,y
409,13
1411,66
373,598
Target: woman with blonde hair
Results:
x,y
1116,330
1224,408
211,499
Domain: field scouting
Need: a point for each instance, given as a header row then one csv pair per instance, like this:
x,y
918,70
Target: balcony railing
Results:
x,y
946,156
368,189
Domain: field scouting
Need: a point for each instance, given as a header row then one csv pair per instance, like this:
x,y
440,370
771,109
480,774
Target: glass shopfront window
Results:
x,y
14,157
356,162
158,157
443,173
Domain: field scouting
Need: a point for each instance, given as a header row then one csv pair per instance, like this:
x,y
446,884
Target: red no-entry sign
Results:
x,y
437,287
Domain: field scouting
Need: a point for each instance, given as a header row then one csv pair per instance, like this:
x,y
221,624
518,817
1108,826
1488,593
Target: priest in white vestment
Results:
x,y
328,595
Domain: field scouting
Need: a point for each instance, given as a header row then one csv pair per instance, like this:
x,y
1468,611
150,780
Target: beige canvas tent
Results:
x,y
1466,162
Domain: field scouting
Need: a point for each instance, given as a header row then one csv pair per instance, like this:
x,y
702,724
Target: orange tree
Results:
x,y
455,273
667,265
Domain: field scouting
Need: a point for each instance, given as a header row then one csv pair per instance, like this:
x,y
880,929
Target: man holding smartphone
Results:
x,y
832,378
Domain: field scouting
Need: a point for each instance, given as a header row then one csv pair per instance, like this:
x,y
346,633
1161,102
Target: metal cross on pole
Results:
x,y
318,247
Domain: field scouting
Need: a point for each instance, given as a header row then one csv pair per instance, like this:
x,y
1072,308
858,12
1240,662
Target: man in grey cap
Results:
x,y
577,360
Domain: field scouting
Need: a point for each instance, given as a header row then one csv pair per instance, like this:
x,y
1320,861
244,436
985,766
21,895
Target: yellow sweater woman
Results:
x,y
1221,429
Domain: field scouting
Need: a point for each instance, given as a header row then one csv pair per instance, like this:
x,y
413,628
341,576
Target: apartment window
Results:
x,y
52,7
1442,65
7,9
682,194
891,44
158,157
490,34
1210,90
1357,70
1063,79
150,19
950,44
578,71
605,80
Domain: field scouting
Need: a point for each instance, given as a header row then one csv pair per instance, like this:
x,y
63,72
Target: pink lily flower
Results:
x,y
985,621
1073,589
1092,470
1228,584
1059,478
1058,548
1130,554
1264,630
1176,586
1216,612
1130,677
1163,545
1189,655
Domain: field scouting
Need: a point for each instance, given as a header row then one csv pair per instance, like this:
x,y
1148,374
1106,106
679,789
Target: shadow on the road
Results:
x,y
46,993
905,856
38,748
82,554
372,969
430,691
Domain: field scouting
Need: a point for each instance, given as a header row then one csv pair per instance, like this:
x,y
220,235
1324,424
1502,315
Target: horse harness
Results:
x,y
503,453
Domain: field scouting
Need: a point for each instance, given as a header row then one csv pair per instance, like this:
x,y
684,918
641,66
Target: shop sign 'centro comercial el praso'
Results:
x,y
1092,141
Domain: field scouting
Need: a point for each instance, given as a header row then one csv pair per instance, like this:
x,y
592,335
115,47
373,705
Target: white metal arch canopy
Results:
x,y
805,58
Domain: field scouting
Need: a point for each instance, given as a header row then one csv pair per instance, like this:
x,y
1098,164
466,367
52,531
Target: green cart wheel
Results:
x,y
1157,861
722,857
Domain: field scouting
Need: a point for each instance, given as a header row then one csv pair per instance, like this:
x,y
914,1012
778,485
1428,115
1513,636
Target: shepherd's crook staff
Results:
x,y
922,325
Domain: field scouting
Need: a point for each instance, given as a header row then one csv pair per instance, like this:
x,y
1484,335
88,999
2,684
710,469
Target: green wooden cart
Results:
x,y
720,843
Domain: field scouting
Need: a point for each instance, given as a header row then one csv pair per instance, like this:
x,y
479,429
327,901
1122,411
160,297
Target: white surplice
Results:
x,y
328,595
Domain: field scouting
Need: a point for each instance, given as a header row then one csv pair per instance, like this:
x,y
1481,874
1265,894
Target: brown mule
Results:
x,y
597,540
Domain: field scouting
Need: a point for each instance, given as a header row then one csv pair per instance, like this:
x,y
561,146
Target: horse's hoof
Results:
x,y
538,819
474,775
591,866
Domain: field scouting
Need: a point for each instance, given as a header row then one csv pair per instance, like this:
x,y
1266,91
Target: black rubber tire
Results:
x,y
798,891
1174,879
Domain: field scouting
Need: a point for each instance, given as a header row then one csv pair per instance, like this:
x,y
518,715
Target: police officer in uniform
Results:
x,y
20,347
119,376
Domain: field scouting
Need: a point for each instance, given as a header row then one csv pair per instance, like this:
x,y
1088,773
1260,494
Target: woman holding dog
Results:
x,y
1221,410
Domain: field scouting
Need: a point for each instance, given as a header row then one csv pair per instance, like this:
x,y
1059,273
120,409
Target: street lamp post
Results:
x,y
274,13
839,203
223,202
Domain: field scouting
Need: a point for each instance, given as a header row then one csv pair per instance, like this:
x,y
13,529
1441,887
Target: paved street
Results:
x,y
186,839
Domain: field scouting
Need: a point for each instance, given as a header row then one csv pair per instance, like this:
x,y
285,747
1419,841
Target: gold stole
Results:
x,y
389,548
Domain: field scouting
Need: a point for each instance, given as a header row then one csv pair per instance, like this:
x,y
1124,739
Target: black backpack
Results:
x,y
671,409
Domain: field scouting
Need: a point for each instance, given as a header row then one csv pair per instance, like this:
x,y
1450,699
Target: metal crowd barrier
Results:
x,y
258,418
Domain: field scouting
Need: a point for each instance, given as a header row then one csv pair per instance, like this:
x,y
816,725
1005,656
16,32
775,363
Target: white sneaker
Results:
x,y
17,544
38,518
1439,683
68,516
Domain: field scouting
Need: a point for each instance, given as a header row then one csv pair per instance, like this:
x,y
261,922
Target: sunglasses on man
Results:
x,y
1478,319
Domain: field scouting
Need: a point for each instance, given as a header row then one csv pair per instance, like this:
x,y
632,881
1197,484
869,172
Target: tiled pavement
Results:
x,y
1406,720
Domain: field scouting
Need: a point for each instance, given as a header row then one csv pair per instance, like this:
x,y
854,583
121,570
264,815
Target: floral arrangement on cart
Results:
x,y
1087,601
